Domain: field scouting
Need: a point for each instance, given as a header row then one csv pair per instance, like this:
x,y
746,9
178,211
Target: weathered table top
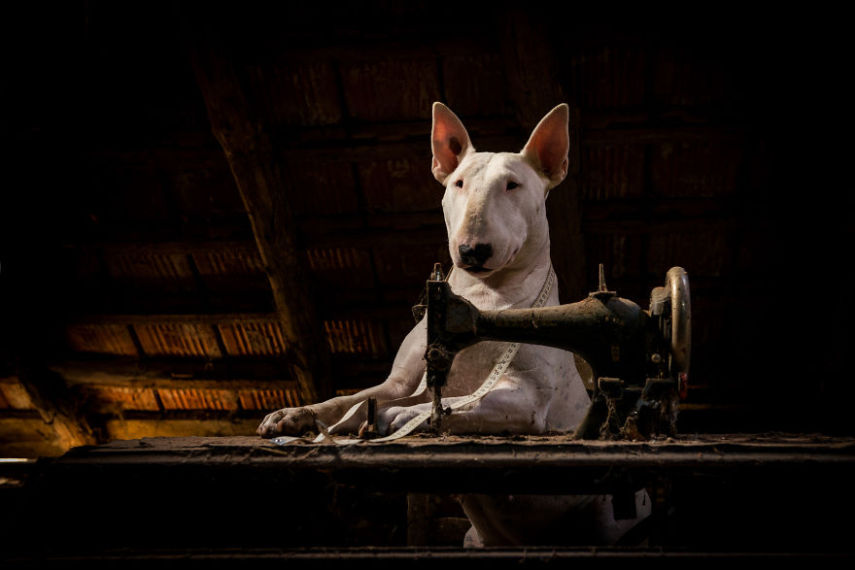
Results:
x,y
558,449
744,492
457,463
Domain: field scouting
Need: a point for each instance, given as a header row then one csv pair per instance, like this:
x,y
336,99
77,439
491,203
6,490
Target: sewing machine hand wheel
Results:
x,y
678,325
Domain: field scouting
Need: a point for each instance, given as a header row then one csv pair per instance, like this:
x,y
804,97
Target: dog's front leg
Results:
x,y
508,408
406,372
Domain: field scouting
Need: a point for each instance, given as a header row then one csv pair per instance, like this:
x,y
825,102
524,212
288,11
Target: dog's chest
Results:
x,y
472,366
532,364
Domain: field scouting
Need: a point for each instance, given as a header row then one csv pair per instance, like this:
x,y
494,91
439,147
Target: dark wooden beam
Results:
x,y
367,311
541,464
255,166
252,373
162,374
57,406
177,424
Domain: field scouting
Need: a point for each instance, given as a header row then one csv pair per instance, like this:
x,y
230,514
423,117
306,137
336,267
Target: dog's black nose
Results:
x,y
477,255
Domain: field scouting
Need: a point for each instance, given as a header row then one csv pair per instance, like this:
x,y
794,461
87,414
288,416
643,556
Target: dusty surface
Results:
x,y
423,441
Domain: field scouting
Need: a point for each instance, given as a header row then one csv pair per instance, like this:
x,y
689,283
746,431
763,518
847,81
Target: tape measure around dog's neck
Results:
x,y
498,370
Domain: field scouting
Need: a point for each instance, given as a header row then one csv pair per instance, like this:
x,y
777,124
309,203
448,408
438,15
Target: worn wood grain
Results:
x,y
264,191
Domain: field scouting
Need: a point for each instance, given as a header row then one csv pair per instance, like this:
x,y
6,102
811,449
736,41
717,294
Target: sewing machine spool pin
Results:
x,y
640,358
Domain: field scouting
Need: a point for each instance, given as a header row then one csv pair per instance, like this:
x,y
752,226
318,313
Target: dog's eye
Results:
x,y
512,185
459,183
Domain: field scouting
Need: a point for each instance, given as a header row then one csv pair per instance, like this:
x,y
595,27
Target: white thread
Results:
x,y
349,414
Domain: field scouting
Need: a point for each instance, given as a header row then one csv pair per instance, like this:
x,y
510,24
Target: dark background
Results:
x,y
131,284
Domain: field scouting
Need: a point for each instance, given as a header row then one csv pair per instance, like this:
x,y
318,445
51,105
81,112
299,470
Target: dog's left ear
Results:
x,y
549,144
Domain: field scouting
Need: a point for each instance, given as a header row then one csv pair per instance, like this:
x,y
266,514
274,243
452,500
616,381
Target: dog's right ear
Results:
x,y
449,142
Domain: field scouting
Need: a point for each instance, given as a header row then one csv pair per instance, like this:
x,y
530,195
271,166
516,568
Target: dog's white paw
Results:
x,y
287,421
392,419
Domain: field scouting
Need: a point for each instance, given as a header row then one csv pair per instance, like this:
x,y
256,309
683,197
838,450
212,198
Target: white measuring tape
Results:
x,y
501,366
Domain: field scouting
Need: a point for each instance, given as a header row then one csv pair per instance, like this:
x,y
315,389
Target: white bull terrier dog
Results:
x,y
498,236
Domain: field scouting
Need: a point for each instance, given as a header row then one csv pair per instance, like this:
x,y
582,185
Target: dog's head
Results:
x,y
494,202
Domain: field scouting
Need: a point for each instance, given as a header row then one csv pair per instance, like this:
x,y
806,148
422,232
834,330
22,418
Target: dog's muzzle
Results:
x,y
475,257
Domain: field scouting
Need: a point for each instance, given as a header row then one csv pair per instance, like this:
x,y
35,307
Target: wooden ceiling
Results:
x,y
219,212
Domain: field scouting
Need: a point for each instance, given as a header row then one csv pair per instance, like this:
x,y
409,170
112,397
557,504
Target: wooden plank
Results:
x,y
364,141
213,337
296,93
57,406
117,399
168,337
644,227
529,67
256,170
103,338
155,373
223,319
664,211
255,374
194,399
475,84
26,435
413,228
399,185
368,86
608,77
541,464
177,414
13,394
639,135
214,257
138,428
511,557
612,172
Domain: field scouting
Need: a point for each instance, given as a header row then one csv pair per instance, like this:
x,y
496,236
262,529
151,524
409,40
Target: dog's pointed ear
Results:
x,y
549,144
449,142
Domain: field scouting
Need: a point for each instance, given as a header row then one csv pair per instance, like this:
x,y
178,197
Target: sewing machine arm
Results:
x,y
640,358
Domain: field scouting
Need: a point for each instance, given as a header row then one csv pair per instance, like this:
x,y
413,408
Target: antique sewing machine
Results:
x,y
640,358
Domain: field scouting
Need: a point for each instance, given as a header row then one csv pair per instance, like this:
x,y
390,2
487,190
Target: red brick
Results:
x,y
178,339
